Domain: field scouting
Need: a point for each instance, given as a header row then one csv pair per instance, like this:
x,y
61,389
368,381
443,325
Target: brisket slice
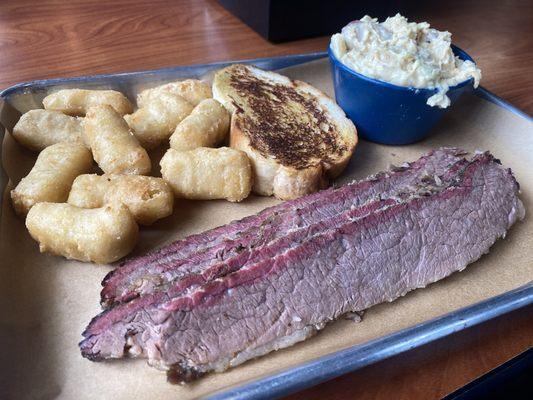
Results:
x,y
283,299
283,233
193,255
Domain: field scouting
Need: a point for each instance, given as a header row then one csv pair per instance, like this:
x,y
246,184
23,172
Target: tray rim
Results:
x,y
352,358
275,63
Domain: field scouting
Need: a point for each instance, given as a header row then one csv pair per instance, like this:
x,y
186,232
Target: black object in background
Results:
x,y
284,20
511,380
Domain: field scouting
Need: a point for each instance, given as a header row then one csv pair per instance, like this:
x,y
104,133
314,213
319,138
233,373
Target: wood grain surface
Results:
x,y
57,38
44,39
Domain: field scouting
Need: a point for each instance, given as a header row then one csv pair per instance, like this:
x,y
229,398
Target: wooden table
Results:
x,y
45,39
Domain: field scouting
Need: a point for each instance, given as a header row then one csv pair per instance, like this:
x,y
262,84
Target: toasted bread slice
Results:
x,y
296,136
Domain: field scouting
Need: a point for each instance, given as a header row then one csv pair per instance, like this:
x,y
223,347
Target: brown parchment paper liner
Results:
x,y
47,301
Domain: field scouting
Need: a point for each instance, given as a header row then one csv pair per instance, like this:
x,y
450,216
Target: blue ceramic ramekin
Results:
x,y
387,113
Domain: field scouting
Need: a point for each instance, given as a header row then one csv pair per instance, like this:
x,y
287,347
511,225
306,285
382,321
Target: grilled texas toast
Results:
x,y
295,135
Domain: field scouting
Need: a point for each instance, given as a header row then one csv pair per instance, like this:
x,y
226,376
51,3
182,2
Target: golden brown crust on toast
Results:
x,y
294,134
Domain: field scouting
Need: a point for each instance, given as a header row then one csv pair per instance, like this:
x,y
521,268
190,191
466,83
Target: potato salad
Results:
x,y
405,54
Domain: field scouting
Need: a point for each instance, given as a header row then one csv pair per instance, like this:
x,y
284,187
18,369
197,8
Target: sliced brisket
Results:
x,y
294,285
185,259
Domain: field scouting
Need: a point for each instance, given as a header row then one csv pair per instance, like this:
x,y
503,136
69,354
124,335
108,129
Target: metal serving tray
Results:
x,y
329,366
